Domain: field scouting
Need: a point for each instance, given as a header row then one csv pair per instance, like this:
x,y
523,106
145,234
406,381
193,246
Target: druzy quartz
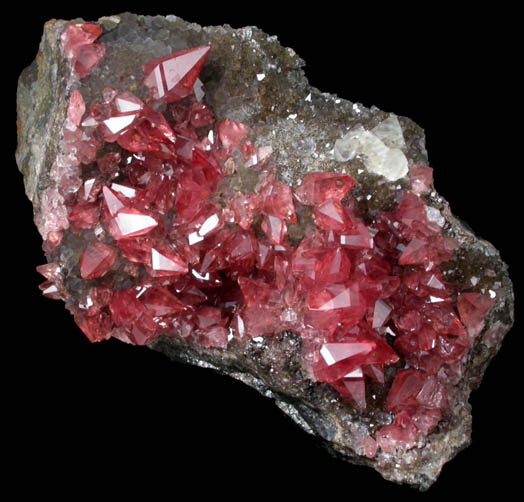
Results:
x,y
170,222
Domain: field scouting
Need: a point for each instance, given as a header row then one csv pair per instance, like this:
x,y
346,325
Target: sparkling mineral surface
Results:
x,y
210,221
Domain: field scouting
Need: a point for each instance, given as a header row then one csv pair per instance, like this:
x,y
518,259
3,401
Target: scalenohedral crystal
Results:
x,y
180,211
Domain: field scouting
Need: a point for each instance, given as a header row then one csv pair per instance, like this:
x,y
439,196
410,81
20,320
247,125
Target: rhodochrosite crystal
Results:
x,y
183,209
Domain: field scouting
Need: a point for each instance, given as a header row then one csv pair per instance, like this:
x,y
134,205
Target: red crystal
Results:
x,y
76,108
411,210
405,389
277,200
96,328
206,172
87,58
137,250
51,271
341,359
368,447
172,77
354,389
109,162
316,188
77,35
80,48
160,302
200,115
331,215
357,238
231,134
84,216
112,201
381,313
50,290
166,262
421,177
148,131
129,222
244,209
333,267
126,308
344,297
96,300
97,259
53,287
205,223
275,228
472,308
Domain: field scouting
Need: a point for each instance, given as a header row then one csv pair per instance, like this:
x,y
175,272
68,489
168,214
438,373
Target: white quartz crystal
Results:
x,y
390,132
379,149
348,146
394,166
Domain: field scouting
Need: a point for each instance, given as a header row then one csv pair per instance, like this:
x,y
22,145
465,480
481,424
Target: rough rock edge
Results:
x,y
47,80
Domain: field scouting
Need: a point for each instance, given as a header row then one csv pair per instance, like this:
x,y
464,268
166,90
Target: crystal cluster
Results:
x,y
197,196
141,184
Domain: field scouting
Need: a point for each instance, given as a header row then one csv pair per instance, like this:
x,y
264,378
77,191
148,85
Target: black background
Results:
x,y
82,413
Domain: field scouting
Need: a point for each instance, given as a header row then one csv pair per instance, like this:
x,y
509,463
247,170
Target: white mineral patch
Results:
x,y
198,89
380,156
390,132
347,147
395,165
433,215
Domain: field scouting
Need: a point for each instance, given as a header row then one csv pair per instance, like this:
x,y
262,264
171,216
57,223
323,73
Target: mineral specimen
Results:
x,y
184,207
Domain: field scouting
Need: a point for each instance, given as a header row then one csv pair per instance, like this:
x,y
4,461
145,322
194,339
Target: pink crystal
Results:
x,y
160,302
80,48
331,215
354,389
337,297
173,77
381,313
76,108
333,267
231,134
472,308
96,327
275,228
277,200
129,222
316,188
166,262
339,359
421,177
97,259
77,35
84,216
244,209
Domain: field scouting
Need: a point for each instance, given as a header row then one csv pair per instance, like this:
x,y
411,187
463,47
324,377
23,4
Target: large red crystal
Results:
x,y
153,192
172,77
